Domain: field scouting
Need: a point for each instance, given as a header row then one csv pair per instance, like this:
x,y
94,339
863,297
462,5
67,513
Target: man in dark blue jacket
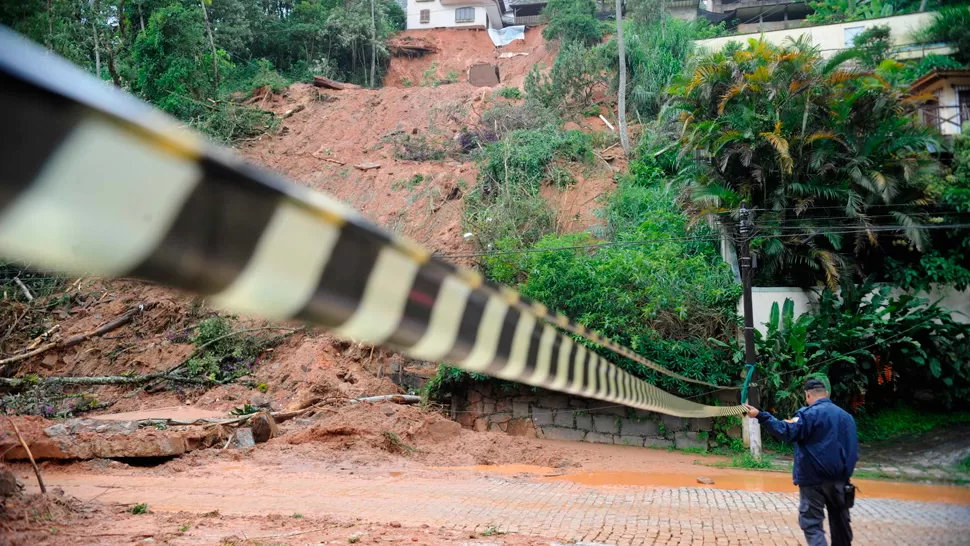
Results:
x,y
826,451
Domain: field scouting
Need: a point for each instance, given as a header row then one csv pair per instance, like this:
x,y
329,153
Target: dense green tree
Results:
x,y
834,159
174,61
572,21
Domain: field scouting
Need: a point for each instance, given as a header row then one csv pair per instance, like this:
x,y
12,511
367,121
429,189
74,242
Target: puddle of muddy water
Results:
x,y
740,481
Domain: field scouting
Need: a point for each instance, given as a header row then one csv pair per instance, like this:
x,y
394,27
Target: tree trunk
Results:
x,y
373,43
121,21
97,51
141,18
111,66
621,92
922,6
212,44
50,22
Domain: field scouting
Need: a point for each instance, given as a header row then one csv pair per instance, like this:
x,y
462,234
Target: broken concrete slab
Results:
x,y
180,413
92,439
484,75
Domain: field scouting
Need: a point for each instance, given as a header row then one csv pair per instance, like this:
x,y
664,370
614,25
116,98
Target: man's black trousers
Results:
x,y
814,500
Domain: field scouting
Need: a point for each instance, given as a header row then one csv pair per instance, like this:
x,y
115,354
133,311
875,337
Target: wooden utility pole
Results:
x,y
745,232
373,44
621,91
212,44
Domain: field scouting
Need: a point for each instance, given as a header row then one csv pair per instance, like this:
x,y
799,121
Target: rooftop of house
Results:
x,y
937,75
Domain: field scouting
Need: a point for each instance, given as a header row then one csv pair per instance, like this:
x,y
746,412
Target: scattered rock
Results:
x,y
9,485
389,410
264,427
260,401
705,480
394,524
243,438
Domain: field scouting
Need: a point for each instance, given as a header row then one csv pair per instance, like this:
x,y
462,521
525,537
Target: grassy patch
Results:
x,y
903,421
513,93
138,509
964,465
747,460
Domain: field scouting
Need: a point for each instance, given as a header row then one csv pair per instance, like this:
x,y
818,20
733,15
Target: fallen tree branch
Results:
x,y
23,288
197,350
20,438
15,383
71,341
396,398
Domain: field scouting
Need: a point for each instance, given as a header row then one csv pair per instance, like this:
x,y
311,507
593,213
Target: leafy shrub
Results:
x,y
421,148
916,69
874,348
952,25
256,74
664,298
523,158
570,84
222,355
228,122
513,93
138,509
571,21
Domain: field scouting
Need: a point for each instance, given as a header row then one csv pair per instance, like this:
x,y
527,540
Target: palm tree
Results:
x,y
831,157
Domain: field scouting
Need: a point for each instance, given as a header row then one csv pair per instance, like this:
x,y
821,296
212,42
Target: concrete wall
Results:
x,y
554,416
833,38
443,16
763,298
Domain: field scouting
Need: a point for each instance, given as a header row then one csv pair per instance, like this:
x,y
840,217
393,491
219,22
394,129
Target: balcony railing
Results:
x,y
948,120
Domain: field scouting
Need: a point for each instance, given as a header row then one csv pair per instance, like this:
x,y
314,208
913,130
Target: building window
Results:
x,y
851,33
425,16
465,15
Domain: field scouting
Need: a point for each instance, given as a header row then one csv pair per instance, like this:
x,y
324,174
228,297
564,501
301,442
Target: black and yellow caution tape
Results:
x,y
93,181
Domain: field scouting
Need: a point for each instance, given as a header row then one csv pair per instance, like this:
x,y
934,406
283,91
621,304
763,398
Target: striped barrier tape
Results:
x,y
97,182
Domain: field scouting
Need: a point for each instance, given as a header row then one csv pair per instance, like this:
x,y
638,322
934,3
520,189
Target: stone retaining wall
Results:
x,y
523,411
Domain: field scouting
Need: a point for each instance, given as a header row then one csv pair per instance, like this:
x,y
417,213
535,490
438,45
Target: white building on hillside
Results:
x,y
427,14
834,38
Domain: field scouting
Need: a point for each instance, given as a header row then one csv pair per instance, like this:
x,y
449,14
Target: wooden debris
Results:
x,y
295,109
411,46
608,124
23,444
113,325
327,83
368,166
396,398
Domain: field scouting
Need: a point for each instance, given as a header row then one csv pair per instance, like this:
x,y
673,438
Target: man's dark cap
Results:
x,y
813,384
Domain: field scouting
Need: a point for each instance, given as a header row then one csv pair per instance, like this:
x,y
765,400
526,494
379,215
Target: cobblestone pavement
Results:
x,y
562,510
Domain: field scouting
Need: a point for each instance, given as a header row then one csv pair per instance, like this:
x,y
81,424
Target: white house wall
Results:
x,y
762,298
444,16
832,38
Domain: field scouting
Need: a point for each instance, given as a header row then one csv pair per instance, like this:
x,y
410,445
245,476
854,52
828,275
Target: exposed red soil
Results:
x,y
459,50
56,520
